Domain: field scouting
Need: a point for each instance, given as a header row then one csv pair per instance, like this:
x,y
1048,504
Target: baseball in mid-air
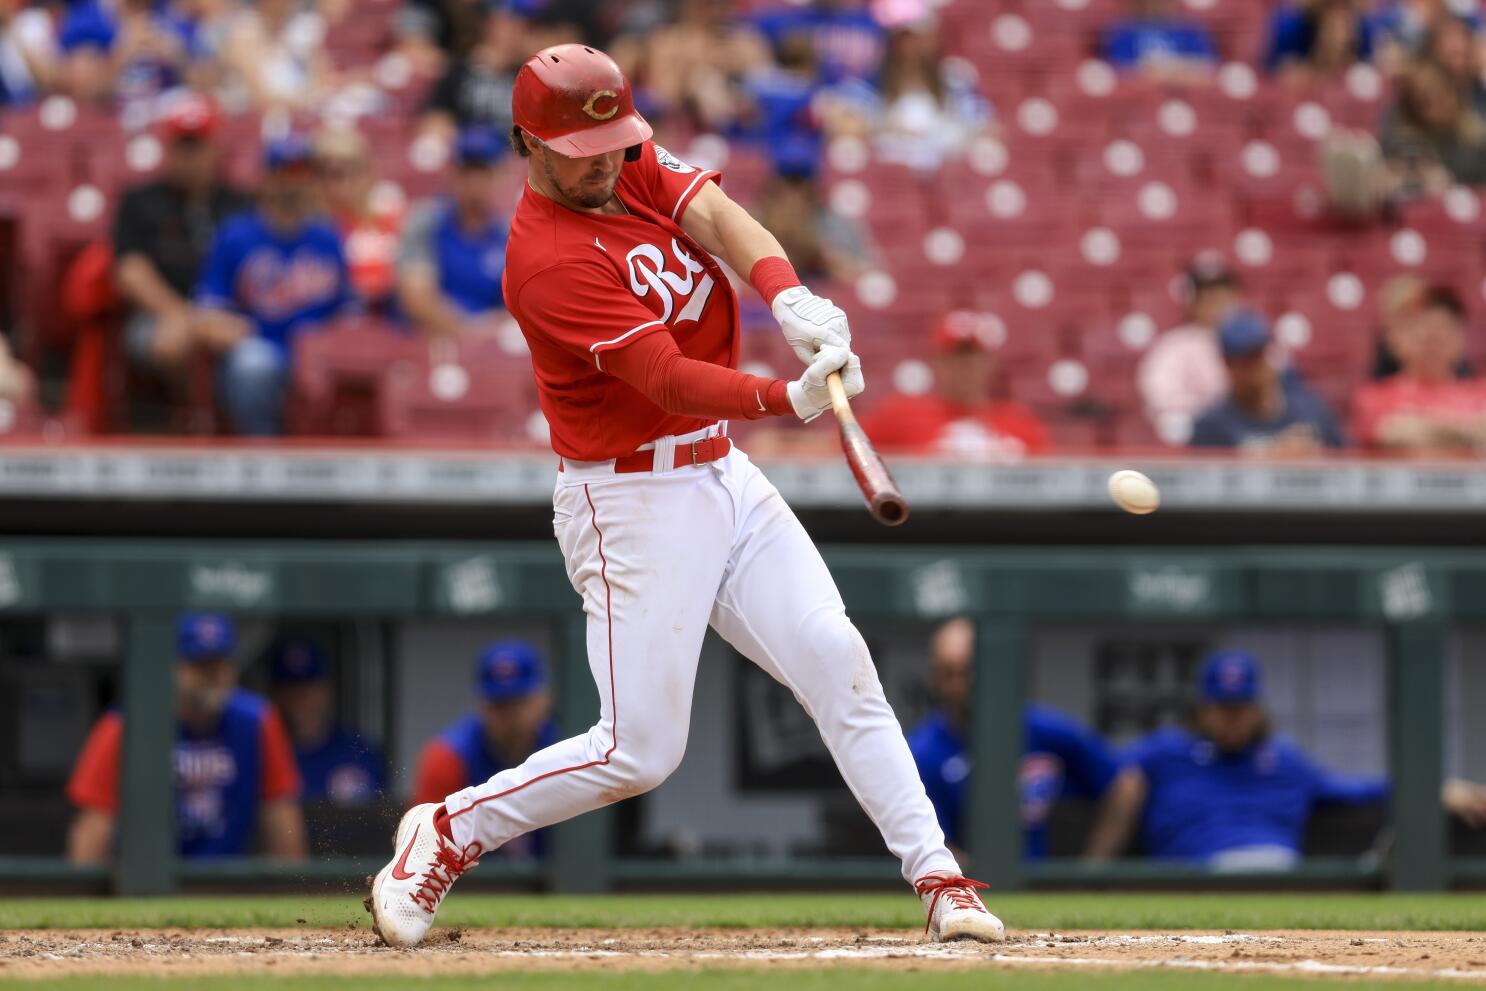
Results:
x,y
1133,492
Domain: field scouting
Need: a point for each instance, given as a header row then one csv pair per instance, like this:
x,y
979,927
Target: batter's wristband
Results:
x,y
771,276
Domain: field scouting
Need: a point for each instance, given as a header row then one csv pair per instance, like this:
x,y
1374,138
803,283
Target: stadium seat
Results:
x,y
340,374
1178,219
477,403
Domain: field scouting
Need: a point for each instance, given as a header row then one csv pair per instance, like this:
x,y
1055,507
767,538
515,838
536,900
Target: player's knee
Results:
x,y
647,761
836,646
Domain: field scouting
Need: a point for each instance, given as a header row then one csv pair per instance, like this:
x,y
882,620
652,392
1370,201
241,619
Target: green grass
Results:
x,y
834,979
1150,910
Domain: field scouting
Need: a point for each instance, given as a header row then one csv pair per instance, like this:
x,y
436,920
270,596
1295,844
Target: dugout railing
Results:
x,y
1415,597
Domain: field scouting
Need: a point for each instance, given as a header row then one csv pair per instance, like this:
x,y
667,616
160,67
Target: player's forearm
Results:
x,y
428,308
745,241
90,836
729,231
283,831
1115,826
684,386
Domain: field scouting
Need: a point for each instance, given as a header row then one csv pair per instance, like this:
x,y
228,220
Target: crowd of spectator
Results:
x,y
229,273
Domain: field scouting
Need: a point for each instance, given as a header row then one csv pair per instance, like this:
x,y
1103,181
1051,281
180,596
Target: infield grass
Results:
x,y
1123,911
832,979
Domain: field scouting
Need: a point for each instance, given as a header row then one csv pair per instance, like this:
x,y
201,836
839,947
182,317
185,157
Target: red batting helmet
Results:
x,y
575,100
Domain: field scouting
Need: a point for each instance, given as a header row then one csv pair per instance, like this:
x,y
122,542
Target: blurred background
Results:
x,y
274,486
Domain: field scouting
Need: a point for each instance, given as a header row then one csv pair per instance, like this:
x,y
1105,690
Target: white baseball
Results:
x,y
1133,492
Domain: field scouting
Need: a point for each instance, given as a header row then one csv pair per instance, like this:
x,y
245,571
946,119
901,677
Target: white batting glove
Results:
x,y
810,322
809,394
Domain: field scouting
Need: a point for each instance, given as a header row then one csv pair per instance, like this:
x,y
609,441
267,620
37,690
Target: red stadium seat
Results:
x,y
1178,219
477,403
340,374
1455,221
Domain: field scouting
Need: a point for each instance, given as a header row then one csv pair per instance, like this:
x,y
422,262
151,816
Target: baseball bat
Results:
x,y
885,502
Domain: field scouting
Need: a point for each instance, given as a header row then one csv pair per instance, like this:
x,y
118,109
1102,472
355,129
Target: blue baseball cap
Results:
x,y
297,661
289,150
479,146
509,670
205,636
1230,677
796,156
1243,334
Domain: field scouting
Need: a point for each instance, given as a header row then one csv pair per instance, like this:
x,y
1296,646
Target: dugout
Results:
x,y
1410,599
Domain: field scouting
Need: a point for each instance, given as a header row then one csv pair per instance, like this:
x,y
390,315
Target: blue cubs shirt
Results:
x,y
222,778
1202,803
344,770
283,283
1059,757
1135,42
849,43
470,267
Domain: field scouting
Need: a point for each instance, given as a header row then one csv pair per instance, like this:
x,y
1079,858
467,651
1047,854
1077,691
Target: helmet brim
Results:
x,y
613,135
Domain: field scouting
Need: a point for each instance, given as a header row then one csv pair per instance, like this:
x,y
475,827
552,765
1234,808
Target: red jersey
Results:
x,y
1376,401
930,425
582,284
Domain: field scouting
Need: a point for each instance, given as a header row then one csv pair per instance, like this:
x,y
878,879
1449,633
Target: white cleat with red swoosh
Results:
x,y
407,892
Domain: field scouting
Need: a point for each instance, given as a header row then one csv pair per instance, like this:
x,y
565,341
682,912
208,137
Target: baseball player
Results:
x,y
665,526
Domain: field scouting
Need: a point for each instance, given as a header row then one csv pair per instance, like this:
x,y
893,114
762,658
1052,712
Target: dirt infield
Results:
x,y
354,951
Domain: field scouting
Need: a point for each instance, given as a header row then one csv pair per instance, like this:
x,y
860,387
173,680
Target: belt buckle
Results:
x,y
694,462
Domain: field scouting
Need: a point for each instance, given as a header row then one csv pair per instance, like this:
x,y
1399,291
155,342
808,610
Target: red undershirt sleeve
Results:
x,y
683,386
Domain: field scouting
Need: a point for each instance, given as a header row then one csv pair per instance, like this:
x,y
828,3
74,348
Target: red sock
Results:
x,y
441,824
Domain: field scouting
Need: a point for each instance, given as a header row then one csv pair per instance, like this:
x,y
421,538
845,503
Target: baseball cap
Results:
x,y
1243,334
205,636
289,151
796,156
297,661
1230,677
191,116
509,670
967,328
479,146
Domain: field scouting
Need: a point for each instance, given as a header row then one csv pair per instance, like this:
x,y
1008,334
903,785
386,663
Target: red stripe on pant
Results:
x,y
613,699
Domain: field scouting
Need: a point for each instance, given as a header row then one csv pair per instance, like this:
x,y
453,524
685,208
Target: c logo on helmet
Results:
x,y
591,110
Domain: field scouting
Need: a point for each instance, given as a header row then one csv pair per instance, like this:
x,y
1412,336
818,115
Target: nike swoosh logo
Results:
x,y
761,407
398,873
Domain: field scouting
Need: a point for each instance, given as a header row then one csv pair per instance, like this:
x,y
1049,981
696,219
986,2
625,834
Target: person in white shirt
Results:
x,y
1183,373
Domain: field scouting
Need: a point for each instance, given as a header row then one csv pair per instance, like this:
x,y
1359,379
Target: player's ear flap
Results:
x,y
632,153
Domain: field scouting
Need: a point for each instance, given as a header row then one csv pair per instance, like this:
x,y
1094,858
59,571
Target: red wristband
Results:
x,y
771,276
777,398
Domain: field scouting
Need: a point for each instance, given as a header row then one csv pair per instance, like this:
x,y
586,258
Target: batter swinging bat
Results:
x,y
886,503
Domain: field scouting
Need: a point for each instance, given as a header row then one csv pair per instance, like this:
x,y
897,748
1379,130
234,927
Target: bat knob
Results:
x,y
889,508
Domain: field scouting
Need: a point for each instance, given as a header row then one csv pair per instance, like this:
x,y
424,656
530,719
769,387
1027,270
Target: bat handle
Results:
x,y
839,402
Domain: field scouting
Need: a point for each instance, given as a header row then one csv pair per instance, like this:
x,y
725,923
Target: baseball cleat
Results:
x,y
955,911
407,892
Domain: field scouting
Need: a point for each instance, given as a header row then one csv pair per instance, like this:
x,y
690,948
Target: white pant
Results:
x,y
657,557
